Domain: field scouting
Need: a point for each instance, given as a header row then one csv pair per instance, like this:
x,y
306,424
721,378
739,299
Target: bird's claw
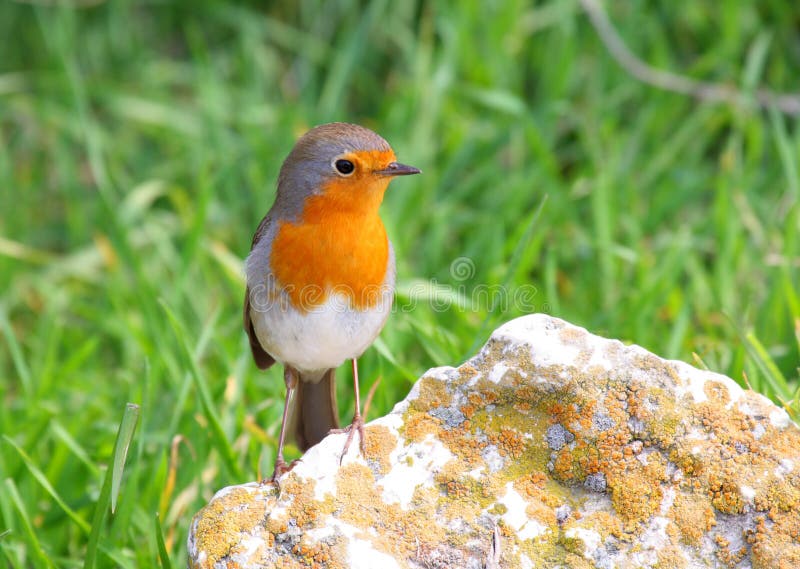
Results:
x,y
281,468
356,425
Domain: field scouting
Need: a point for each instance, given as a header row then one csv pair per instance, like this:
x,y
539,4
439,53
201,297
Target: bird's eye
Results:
x,y
344,167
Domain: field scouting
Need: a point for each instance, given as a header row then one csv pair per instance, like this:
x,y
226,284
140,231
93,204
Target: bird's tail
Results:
x,y
315,410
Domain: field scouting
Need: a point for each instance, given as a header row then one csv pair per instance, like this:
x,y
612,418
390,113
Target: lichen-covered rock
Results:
x,y
551,448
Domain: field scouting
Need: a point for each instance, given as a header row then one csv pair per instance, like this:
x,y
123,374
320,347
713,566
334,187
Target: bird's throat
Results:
x,y
337,246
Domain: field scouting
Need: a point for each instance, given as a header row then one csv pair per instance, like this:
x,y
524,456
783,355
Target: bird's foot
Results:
x,y
356,425
281,468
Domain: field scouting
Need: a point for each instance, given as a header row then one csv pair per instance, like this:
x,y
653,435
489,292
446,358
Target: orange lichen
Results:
x,y
399,531
378,445
419,425
218,530
432,393
531,485
509,442
635,493
693,516
305,509
461,442
320,554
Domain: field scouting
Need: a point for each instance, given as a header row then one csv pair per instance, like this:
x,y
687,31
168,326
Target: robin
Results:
x,y
321,274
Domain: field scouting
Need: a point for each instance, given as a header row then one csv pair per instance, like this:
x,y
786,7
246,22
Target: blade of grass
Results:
x,y
118,557
797,332
790,292
124,438
111,484
785,151
512,269
756,58
217,432
47,486
16,354
766,364
345,63
385,351
38,555
698,362
69,441
162,548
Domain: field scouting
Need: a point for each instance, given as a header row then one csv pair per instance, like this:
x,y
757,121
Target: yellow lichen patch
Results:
x,y
723,489
779,496
531,485
463,497
467,371
467,410
287,563
729,426
498,509
691,463
564,466
778,546
277,523
660,373
457,489
732,470
478,401
464,444
417,425
670,557
509,442
432,393
542,513
454,483
585,418
725,554
388,527
604,523
666,424
303,508
636,491
694,516
542,498
577,561
717,393
357,496
379,444
220,525
573,337
319,554
484,393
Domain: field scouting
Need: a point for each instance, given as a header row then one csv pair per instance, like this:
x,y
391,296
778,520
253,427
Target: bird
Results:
x,y
320,275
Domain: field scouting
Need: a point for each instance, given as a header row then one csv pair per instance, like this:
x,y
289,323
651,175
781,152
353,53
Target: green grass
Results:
x,y
139,146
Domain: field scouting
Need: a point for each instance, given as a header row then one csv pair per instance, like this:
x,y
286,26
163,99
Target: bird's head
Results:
x,y
349,165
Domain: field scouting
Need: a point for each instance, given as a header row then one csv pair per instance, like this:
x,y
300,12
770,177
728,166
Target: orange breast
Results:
x,y
338,245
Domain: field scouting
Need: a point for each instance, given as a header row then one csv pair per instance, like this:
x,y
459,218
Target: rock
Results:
x,y
551,448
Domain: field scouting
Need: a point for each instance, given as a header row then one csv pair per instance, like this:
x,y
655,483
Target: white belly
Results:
x,y
322,338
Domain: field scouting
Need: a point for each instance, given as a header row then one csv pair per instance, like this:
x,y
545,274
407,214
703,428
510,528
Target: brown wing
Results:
x,y
263,359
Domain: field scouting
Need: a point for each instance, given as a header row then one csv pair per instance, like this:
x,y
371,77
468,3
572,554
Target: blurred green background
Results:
x,y
139,147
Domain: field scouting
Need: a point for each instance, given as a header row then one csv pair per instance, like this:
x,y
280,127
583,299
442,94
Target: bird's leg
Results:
x,y
358,420
290,379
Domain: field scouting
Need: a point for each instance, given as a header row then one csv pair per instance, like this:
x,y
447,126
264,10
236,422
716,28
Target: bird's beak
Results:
x,y
397,169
